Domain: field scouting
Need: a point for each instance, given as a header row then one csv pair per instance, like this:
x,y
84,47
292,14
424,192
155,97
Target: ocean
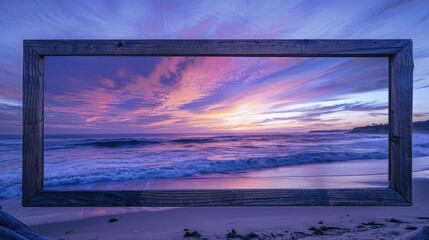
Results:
x,y
112,161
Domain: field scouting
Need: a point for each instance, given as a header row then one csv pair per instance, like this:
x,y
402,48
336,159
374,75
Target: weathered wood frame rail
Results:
x,y
398,193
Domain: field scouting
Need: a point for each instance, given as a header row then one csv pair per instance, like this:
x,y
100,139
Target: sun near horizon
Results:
x,y
213,94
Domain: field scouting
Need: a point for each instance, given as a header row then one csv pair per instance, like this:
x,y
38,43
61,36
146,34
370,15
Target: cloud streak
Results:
x,y
211,94
305,19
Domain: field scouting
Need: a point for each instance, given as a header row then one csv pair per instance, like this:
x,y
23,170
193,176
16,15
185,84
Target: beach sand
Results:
x,y
273,222
216,222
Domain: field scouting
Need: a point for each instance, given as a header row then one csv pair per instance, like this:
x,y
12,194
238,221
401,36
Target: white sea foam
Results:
x,y
89,159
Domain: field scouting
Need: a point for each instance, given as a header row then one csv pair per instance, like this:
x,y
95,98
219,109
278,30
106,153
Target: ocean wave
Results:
x,y
130,142
137,142
423,145
12,188
119,143
204,166
194,140
10,191
112,143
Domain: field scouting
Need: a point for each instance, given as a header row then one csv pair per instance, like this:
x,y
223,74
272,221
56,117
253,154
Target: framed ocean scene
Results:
x,y
191,123
217,122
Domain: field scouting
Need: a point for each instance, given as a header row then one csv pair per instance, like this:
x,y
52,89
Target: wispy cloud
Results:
x,y
204,19
212,93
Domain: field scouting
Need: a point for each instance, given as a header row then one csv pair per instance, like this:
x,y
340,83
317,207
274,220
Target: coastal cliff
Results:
x,y
422,126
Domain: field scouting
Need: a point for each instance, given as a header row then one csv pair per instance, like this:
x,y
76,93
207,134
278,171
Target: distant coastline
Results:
x,y
422,126
418,127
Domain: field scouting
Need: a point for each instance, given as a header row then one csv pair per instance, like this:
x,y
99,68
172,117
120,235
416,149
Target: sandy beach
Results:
x,y
271,222
262,222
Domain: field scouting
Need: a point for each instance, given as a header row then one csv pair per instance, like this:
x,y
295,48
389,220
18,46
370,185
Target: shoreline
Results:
x,y
77,222
340,222
323,175
366,173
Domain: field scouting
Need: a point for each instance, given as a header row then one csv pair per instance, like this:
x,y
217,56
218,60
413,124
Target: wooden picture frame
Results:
x,y
398,193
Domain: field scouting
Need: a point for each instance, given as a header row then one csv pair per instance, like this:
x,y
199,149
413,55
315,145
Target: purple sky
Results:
x,y
309,19
212,94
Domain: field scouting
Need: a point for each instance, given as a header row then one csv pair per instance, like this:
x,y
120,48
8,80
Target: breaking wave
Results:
x,y
205,166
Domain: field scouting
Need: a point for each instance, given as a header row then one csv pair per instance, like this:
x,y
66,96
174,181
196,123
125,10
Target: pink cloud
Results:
x,y
263,85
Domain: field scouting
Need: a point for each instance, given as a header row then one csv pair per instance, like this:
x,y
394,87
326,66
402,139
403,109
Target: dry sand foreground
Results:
x,y
265,222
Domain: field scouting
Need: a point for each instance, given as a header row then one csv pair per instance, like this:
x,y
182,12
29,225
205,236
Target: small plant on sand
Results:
x,y
251,235
234,235
316,231
374,224
411,228
193,234
323,229
394,220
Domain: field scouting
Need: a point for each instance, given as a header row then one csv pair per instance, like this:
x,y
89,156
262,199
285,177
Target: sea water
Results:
x,y
88,159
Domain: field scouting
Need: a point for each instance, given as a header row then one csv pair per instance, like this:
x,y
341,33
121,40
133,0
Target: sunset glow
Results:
x,y
213,94
301,19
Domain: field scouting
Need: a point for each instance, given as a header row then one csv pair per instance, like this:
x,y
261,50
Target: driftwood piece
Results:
x,y
13,229
6,233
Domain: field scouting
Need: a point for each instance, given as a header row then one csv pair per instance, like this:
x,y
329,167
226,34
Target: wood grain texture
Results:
x,y
400,121
32,141
236,197
292,48
13,229
400,113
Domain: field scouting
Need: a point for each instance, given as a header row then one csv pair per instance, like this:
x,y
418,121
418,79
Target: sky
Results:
x,y
309,19
213,94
